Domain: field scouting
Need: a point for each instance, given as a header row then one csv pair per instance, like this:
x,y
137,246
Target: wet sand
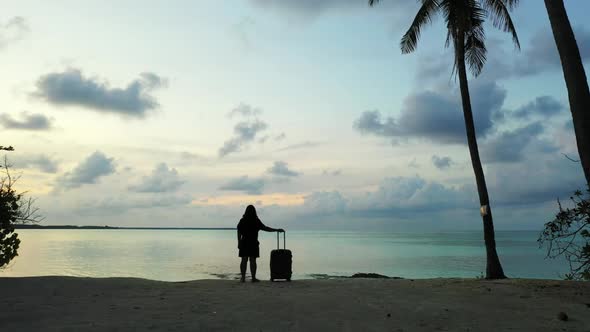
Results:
x,y
125,304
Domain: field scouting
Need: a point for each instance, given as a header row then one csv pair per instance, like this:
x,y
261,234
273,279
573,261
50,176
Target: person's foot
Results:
x,y
255,280
243,279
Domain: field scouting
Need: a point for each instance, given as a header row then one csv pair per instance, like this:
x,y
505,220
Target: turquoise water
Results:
x,y
175,255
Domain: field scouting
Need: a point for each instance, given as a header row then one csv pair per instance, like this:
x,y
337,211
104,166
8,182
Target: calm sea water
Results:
x,y
175,255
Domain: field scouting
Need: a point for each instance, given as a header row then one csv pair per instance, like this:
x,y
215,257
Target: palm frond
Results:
x,y
499,13
465,31
465,27
450,38
451,11
511,4
474,36
410,39
475,50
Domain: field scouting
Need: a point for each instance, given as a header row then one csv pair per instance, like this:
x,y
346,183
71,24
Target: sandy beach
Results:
x,y
126,304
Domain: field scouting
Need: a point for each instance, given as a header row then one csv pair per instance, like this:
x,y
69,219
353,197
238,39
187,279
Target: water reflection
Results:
x,y
177,255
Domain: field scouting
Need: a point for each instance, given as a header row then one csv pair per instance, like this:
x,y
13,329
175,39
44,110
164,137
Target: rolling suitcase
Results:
x,y
281,261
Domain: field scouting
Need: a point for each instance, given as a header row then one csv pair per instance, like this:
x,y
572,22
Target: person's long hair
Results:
x,y
250,213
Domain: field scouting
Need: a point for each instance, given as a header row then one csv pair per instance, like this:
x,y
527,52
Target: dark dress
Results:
x,y
248,229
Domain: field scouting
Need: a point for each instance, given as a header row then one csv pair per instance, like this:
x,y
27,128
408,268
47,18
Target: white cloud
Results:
x,y
162,179
253,186
72,87
42,162
13,30
27,121
281,168
89,171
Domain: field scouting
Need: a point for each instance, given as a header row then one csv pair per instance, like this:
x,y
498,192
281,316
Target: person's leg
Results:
x,y
253,268
243,265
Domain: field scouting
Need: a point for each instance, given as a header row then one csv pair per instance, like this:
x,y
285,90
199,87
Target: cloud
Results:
x,y
395,197
413,163
509,146
190,156
303,145
313,8
244,110
263,139
307,7
242,30
13,30
537,179
245,132
434,66
252,186
41,162
324,202
542,55
543,106
122,204
28,121
162,179
72,88
281,168
89,171
539,55
332,172
415,198
436,116
441,162
413,194
280,137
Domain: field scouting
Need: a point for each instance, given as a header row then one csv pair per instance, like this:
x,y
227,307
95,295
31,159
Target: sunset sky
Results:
x,y
180,113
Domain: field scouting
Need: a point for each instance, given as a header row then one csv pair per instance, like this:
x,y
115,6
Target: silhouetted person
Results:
x,y
248,228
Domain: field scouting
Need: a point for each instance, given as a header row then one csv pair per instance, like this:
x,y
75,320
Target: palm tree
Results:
x,y
575,78
465,31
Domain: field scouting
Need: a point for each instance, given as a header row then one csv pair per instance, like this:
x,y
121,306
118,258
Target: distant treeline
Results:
x,y
111,227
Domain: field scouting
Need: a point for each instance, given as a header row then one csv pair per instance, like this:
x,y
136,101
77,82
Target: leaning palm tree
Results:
x,y
465,32
575,78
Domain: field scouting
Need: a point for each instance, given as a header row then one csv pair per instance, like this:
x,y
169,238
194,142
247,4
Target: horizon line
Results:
x,y
25,226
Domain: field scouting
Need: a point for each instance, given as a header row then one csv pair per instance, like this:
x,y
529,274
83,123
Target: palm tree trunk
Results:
x,y
493,266
575,78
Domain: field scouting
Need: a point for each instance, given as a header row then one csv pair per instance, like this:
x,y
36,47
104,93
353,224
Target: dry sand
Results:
x,y
122,304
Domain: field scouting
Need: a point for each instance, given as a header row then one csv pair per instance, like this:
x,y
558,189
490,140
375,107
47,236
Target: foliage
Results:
x,y
464,20
568,235
14,209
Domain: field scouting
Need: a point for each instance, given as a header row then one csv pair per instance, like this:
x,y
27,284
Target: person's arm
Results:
x,y
270,229
239,239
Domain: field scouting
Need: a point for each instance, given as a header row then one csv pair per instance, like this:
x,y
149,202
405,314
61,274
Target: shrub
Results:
x,y
568,235
14,209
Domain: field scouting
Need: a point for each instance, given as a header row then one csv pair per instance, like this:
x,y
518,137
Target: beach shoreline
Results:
x,y
444,304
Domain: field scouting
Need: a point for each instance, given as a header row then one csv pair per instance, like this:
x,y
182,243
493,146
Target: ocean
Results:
x,y
178,255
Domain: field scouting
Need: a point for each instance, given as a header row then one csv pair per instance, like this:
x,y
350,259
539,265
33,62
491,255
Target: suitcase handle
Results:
x,y
284,240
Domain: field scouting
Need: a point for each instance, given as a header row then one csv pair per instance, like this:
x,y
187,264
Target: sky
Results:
x,y
181,113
